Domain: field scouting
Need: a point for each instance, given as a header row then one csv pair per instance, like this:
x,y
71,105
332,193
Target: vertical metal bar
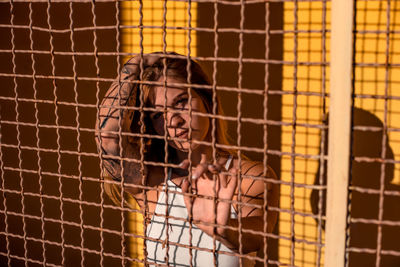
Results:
x,y
188,80
166,191
339,130
96,63
384,137
3,187
322,169
214,94
121,150
39,171
17,119
142,131
57,124
239,127
294,128
78,132
265,131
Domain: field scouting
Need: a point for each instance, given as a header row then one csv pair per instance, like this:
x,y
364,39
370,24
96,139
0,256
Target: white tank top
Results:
x,y
179,235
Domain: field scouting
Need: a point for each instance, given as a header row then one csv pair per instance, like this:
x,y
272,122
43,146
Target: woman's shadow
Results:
x,y
367,175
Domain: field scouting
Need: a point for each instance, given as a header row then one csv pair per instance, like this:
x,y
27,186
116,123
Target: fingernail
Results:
x,y
181,164
194,176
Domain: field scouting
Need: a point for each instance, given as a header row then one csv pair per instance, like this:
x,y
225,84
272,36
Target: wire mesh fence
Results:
x,y
375,122
268,65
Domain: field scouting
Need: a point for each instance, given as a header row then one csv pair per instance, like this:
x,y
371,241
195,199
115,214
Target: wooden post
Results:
x,y
339,131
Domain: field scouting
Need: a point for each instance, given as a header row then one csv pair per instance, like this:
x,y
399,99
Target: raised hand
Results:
x,y
114,120
212,193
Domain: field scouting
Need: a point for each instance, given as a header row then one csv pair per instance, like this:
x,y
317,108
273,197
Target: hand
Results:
x,y
112,119
204,209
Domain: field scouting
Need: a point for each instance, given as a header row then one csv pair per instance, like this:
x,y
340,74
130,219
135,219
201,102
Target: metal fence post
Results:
x,y
339,131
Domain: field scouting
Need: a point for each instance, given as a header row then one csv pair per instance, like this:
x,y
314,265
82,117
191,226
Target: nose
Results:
x,y
176,120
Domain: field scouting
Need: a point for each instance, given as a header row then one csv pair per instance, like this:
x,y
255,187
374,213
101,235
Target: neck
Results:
x,y
195,155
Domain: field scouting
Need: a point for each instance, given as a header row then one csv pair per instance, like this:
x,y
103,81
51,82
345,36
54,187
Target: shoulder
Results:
x,y
255,178
258,187
256,168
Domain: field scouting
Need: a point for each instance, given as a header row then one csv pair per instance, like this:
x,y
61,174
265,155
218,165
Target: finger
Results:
x,y
184,164
203,159
201,168
185,189
232,183
232,173
223,180
185,185
214,168
199,171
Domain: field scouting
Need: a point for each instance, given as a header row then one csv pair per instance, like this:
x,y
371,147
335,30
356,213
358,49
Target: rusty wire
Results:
x,y
382,192
37,134
62,176
293,135
265,129
102,192
384,142
18,137
323,136
190,111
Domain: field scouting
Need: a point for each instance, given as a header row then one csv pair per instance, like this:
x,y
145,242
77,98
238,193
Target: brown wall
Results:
x,y
69,167
253,74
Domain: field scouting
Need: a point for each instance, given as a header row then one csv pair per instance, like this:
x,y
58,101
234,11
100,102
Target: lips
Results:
x,y
183,134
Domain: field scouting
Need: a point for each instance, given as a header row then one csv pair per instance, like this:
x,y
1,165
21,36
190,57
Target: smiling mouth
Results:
x,y
183,134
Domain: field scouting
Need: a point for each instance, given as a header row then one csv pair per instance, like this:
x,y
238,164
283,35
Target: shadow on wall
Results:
x,y
367,175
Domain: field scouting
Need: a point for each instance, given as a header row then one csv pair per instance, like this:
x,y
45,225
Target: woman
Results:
x,y
185,181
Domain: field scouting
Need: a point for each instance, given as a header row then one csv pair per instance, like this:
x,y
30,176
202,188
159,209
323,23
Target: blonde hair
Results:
x,y
113,191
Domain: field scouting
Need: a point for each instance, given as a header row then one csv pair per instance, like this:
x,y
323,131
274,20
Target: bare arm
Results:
x,y
253,189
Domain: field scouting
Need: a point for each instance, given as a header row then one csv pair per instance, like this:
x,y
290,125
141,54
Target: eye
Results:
x,y
181,102
156,116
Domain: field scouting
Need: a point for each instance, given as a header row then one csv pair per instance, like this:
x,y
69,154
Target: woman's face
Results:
x,y
176,100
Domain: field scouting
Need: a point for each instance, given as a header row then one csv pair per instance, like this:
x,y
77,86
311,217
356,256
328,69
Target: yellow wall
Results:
x,y
307,140
370,48
153,21
153,40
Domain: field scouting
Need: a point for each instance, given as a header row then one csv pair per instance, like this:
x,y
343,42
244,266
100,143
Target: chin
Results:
x,y
184,146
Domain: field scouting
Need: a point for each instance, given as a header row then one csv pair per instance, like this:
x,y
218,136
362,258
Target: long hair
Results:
x,y
154,150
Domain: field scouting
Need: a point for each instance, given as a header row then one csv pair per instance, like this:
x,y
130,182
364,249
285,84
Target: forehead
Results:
x,y
175,87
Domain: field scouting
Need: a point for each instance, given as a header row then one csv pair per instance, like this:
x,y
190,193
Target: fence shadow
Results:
x,y
368,175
